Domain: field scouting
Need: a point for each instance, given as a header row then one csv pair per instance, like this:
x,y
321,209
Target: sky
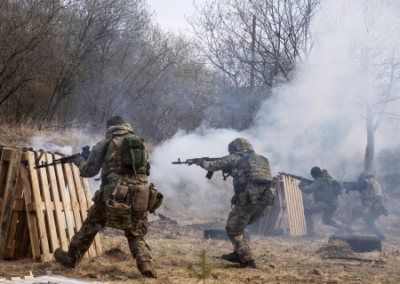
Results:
x,y
172,14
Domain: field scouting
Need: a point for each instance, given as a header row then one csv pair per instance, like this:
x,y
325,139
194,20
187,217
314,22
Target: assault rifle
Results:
x,y
68,159
296,177
190,162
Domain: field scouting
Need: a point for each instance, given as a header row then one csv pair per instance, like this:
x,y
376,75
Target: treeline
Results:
x,y
76,63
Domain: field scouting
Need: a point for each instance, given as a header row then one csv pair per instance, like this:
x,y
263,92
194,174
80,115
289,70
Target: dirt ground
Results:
x,y
175,246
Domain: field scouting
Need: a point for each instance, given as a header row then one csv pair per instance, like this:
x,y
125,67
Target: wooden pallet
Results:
x,y
48,205
287,213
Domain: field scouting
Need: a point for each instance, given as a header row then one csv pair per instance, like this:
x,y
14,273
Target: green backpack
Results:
x,y
133,153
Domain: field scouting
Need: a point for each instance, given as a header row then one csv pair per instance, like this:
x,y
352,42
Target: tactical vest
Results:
x,y
325,192
118,156
251,168
373,189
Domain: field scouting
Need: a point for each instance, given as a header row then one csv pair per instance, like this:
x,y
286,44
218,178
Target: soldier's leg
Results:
x,y
138,247
356,213
237,221
82,240
308,214
327,218
370,221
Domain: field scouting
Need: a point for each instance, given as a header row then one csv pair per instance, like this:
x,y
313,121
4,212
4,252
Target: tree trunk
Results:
x,y
370,149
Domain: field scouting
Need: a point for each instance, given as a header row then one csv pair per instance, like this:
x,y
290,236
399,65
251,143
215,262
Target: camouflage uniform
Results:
x,y
326,201
104,157
372,200
250,199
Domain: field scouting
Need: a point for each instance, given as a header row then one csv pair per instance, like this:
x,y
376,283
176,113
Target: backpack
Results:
x,y
133,152
337,187
252,168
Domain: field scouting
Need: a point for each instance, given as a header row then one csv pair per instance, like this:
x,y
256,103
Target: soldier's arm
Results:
x,y
309,188
355,186
225,163
92,166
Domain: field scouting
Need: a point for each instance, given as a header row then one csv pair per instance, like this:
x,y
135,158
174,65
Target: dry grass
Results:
x,y
280,260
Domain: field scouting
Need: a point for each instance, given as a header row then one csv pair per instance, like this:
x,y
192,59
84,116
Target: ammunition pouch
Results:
x,y
140,197
155,199
119,215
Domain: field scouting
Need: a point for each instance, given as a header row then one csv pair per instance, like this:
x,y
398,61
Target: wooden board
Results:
x,y
14,158
294,203
287,213
41,209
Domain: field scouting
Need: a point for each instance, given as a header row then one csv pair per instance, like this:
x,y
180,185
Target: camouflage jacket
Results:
x,y
369,189
227,165
322,190
96,159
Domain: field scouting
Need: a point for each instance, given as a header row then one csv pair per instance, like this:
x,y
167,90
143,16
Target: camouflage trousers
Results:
x,y
327,216
96,220
369,212
244,213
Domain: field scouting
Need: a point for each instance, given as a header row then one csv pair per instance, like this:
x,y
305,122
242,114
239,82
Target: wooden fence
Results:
x,y
40,209
286,216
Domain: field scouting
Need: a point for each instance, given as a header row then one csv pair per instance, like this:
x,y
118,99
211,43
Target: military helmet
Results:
x,y
115,120
316,172
365,175
239,144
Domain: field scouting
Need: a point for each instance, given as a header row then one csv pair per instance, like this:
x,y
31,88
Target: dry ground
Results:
x,y
175,246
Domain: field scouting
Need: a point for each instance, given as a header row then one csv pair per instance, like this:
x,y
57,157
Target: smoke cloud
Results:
x,y
315,120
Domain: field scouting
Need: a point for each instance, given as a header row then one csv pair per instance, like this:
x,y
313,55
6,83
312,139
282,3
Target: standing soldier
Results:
x,y
252,183
326,191
372,200
123,199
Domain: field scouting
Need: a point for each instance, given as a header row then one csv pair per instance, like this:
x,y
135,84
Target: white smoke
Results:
x,y
315,120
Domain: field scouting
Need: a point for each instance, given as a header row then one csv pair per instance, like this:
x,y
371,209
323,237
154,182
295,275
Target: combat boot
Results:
x,y
146,269
64,259
249,264
231,257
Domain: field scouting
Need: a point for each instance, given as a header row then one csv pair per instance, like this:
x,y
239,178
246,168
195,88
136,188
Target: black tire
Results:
x,y
360,243
220,234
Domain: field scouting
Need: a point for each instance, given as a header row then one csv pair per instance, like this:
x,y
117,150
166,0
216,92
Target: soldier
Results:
x,y
372,200
326,201
121,202
252,183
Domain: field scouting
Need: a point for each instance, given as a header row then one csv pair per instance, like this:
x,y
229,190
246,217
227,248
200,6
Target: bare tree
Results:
x,y
255,45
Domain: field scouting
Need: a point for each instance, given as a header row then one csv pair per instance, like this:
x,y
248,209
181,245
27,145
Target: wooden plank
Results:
x,y
300,208
3,172
65,204
31,216
43,239
288,205
282,204
86,188
72,195
51,174
82,202
44,182
9,195
291,201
